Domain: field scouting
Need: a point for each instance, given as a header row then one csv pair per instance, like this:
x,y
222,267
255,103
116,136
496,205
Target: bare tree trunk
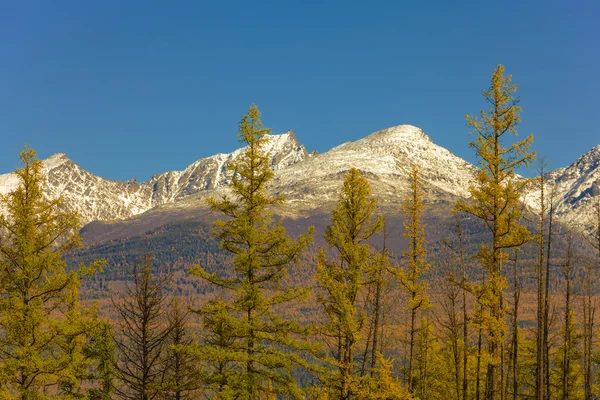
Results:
x,y
425,360
588,315
502,356
465,321
568,322
515,326
478,371
368,342
539,368
413,315
545,344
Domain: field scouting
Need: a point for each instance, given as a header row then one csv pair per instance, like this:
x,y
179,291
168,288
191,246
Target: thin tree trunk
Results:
x,y
413,315
478,370
465,381
368,342
425,361
539,367
515,338
587,338
546,345
376,323
568,322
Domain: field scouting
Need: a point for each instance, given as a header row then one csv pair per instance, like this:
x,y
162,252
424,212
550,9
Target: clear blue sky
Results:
x,y
129,89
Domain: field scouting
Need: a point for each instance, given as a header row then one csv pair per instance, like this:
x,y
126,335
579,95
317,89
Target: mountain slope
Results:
x,y
98,199
310,183
385,157
577,188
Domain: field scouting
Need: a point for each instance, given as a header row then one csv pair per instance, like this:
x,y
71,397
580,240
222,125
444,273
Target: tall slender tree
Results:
x,y
514,344
541,302
43,328
101,349
411,276
266,345
342,280
495,200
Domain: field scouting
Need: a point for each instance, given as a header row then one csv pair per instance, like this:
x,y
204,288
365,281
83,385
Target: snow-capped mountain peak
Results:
x,y
386,158
311,180
55,161
99,199
577,187
400,133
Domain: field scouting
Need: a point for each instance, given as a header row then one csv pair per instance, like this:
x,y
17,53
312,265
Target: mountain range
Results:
x,y
309,181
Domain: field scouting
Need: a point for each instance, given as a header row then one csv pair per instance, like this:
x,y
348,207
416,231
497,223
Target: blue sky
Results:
x,y
129,89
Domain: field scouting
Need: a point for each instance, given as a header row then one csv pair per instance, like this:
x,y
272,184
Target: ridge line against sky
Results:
x,y
130,90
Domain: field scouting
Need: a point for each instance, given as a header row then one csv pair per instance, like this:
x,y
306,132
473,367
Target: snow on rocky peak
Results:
x,y
99,199
577,188
212,172
10,181
55,161
385,157
309,181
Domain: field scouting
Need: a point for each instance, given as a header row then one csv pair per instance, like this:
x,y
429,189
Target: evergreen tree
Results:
x,y
514,344
383,385
219,367
496,201
343,279
101,349
427,357
379,273
411,277
43,329
266,345
182,379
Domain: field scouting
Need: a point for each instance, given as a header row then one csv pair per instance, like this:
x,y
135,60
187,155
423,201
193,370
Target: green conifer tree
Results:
x,y
342,280
43,329
182,378
411,276
101,349
266,345
496,201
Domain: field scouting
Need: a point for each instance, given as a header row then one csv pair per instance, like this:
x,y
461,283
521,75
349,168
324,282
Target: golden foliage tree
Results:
x,y
411,276
496,201
43,328
264,345
342,279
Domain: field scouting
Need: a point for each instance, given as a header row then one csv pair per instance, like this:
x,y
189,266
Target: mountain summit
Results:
x,y
311,181
577,188
385,157
98,199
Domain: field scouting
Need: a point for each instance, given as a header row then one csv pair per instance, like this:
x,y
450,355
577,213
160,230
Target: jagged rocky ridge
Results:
x,y
577,189
98,199
311,181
